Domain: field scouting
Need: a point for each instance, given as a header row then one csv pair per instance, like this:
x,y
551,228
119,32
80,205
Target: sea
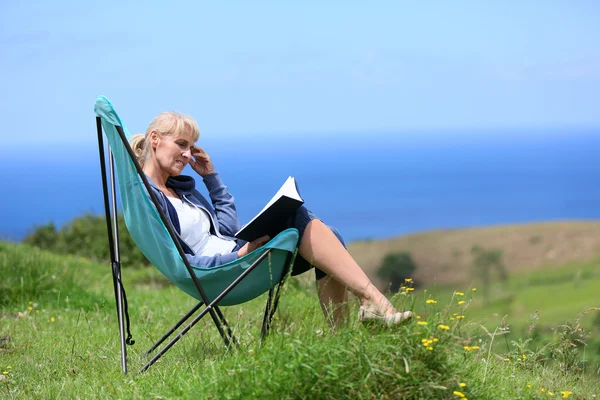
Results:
x,y
369,185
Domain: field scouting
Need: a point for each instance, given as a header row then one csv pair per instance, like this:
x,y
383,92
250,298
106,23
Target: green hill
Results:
x,y
444,256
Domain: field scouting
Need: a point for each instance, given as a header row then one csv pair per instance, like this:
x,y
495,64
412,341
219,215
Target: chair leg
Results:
x,y
213,310
119,301
267,317
229,331
177,337
174,328
272,303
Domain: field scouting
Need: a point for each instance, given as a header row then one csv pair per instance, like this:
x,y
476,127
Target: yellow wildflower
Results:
x,y
418,317
30,308
410,289
461,302
529,386
550,394
444,327
459,394
422,323
452,318
565,394
474,289
462,384
430,348
435,340
408,280
52,319
459,293
475,347
542,390
431,301
460,317
523,356
4,372
9,367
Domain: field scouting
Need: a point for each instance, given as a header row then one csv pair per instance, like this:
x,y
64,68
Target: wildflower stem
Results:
x,y
487,361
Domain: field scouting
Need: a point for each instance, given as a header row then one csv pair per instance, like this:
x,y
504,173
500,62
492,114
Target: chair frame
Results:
x,y
110,208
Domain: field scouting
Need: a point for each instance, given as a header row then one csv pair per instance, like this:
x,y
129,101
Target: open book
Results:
x,y
272,218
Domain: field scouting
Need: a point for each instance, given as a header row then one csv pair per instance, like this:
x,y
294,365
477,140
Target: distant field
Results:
x,y
444,256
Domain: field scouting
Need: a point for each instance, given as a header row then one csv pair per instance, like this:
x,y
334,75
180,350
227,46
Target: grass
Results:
x,y
60,339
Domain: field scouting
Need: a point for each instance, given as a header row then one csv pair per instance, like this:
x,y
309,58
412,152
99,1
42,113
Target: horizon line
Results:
x,y
408,132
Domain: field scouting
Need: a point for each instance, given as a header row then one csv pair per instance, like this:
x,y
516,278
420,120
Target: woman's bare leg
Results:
x,y
321,247
333,298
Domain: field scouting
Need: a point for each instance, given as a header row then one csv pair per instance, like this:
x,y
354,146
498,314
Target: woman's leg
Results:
x,y
321,247
333,298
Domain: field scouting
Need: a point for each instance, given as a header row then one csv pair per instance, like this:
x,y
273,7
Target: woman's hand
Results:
x,y
251,246
201,162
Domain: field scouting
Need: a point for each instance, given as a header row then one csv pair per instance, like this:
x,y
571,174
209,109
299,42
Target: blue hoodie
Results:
x,y
222,213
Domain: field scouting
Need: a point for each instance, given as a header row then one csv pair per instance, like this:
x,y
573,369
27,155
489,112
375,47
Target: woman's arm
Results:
x,y
220,259
220,197
223,203
212,261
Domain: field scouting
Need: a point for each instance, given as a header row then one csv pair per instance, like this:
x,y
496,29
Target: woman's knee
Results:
x,y
338,235
302,219
304,216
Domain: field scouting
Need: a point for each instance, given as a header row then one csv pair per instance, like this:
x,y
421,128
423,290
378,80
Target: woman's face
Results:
x,y
173,152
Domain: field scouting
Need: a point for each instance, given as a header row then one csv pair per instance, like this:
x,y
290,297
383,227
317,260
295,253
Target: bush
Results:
x,y
485,261
395,268
86,236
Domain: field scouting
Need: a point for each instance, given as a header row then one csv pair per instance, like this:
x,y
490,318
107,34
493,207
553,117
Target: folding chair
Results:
x,y
234,283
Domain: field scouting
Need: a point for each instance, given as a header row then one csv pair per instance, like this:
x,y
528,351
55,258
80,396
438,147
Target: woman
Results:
x,y
206,229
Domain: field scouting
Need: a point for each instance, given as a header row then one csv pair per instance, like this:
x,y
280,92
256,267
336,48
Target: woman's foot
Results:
x,y
372,314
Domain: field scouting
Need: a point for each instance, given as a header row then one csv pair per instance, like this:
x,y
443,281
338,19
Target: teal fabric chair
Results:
x,y
237,282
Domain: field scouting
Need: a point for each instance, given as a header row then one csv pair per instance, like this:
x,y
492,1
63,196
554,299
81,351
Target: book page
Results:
x,y
288,189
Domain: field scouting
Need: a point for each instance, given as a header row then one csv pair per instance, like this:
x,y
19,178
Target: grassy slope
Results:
x,y
556,296
66,345
444,257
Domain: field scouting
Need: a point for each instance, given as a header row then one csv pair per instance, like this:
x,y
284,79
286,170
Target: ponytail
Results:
x,y
139,145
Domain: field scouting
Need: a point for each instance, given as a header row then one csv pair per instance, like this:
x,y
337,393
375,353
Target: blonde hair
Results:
x,y
165,124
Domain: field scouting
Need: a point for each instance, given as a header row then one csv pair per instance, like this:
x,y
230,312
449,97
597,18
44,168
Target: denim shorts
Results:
x,y
300,221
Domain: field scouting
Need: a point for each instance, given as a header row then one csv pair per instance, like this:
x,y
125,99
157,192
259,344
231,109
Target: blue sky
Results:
x,y
275,68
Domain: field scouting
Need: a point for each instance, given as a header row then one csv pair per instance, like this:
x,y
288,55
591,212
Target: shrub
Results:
x,y
86,236
396,267
484,262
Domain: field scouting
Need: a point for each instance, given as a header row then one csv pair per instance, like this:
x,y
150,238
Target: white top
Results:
x,y
195,230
